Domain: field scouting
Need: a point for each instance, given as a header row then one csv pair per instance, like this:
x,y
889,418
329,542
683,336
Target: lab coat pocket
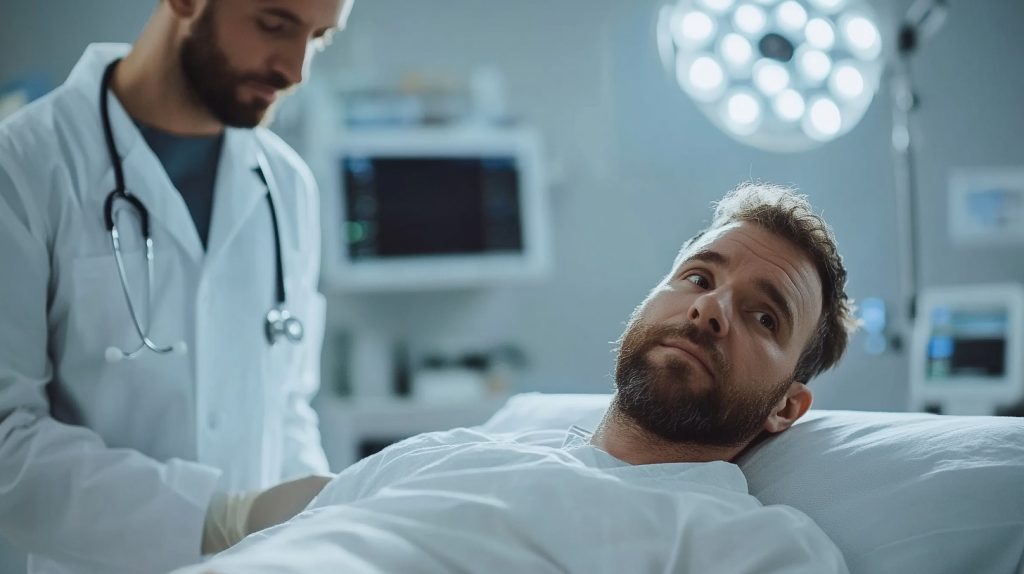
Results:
x,y
124,400
99,315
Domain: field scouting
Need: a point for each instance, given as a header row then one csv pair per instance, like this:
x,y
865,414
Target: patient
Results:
x,y
716,357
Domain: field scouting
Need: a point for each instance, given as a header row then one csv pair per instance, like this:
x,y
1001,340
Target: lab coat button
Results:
x,y
212,421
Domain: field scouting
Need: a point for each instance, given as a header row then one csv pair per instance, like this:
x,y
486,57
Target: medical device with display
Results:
x,y
967,349
435,207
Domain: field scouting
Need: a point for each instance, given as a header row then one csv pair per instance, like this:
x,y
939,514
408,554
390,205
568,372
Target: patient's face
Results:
x,y
711,352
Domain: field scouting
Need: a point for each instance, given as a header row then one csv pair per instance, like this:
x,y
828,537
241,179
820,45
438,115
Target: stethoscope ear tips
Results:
x,y
179,348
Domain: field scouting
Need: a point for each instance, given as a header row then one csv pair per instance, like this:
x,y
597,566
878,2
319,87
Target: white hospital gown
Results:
x,y
462,501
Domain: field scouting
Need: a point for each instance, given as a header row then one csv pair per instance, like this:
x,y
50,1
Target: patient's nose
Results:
x,y
708,313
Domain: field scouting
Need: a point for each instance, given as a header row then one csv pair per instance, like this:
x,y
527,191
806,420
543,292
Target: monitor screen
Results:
x,y
401,207
967,344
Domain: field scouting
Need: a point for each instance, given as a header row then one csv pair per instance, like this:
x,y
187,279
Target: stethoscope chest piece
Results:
x,y
280,323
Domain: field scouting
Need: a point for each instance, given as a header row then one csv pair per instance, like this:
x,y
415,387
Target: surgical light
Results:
x,y
790,15
861,36
706,76
742,112
717,5
846,81
815,65
783,75
789,105
744,109
825,119
770,77
696,27
750,19
819,34
736,50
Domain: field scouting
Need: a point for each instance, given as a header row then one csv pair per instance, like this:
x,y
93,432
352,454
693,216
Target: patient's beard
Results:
x,y
667,400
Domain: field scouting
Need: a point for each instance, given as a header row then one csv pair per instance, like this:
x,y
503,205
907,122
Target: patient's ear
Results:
x,y
789,408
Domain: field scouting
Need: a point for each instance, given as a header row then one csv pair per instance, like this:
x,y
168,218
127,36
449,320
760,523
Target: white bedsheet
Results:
x,y
461,501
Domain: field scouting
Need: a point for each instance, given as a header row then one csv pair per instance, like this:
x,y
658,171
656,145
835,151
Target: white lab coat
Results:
x,y
128,490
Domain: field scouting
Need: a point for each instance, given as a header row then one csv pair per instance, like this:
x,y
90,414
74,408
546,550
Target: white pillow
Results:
x,y
897,492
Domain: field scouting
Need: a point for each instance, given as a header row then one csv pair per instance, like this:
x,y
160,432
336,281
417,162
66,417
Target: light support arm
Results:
x,y
923,19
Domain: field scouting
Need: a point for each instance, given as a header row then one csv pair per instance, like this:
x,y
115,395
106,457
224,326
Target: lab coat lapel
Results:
x,y
238,191
144,175
146,179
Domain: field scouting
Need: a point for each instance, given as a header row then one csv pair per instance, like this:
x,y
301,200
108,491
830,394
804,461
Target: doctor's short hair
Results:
x,y
784,212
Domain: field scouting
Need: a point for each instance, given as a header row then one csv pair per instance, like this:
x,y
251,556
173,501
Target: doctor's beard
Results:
x,y
667,400
214,82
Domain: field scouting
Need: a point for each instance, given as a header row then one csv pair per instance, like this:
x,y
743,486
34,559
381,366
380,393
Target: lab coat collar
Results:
x,y
238,188
144,175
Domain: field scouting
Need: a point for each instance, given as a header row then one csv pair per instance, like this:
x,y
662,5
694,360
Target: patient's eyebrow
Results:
x,y
294,19
285,14
709,256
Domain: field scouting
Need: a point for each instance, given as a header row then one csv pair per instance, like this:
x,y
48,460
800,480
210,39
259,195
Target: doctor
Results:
x,y
161,327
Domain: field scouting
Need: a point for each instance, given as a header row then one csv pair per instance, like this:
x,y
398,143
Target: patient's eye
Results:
x,y
270,24
698,279
768,322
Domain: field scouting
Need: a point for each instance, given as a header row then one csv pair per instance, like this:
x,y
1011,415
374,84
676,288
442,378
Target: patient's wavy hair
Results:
x,y
784,212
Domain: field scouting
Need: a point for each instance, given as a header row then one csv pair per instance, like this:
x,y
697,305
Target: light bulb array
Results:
x,y
777,74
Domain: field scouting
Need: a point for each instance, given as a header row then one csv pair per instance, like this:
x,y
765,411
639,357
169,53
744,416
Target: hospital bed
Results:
x,y
898,493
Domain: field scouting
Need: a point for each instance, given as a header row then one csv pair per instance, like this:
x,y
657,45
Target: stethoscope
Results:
x,y
279,322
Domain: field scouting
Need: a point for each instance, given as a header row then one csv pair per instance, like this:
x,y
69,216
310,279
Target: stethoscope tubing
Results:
x,y
279,323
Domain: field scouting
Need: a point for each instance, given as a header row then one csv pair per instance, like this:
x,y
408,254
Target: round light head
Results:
x,y
737,52
790,16
770,77
860,36
788,105
820,34
702,77
846,82
741,111
814,66
717,6
750,19
823,120
694,29
783,75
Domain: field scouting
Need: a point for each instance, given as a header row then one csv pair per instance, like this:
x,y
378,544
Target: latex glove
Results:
x,y
232,516
282,502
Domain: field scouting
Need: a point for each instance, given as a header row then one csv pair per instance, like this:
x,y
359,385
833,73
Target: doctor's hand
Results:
x,y
282,502
234,515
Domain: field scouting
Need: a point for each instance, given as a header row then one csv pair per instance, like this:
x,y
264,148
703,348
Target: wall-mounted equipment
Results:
x,y
967,349
986,206
436,207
